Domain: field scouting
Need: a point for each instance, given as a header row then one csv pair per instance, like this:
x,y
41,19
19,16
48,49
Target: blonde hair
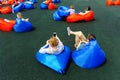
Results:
x,y
19,15
72,7
53,41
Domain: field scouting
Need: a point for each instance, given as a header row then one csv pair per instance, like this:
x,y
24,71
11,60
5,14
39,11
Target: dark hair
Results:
x,y
88,8
91,36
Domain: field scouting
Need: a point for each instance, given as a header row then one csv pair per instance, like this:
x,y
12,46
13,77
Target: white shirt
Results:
x,y
72,11
50,50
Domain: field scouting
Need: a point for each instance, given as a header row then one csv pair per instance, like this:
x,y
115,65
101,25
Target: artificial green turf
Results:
x,y
17,50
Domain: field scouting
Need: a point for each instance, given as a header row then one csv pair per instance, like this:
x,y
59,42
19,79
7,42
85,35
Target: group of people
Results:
x,y
55,46
72,10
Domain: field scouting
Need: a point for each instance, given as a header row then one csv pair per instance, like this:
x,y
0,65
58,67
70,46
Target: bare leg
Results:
x,y
79,36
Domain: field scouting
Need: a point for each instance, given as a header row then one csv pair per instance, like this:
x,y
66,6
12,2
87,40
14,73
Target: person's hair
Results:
x,y
91,36
19,15
72,7
88,8
53,41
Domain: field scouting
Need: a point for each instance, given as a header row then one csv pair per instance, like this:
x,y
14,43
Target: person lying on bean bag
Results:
x,y
88,53
88,14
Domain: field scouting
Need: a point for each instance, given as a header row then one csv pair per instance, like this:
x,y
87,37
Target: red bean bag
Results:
x,y
89,16
6,25
52,6
8,2
48,1
109,2
21,0
75,18
11,1
117,2
6,10
5,2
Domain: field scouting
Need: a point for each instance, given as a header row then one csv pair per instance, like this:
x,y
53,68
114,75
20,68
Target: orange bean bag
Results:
x,y
21,0
75,18
48,1
5,2
6,10
89,16
6,25
117,2
52,6
109,2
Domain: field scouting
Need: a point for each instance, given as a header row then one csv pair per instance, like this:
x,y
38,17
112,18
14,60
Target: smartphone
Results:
x,y
54,34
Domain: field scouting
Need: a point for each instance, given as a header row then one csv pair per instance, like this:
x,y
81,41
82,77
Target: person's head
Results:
x,y
91,36
53,41
19,15
72,7
88,8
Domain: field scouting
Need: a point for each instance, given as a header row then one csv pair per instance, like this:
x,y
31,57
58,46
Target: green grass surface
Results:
x,y
17,50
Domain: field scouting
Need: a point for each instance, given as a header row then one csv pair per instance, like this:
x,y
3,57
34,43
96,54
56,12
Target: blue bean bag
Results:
x,y
62,11
18,8
56,62
55,1
56,17
22,26
34,1
43,6
28,6
91,56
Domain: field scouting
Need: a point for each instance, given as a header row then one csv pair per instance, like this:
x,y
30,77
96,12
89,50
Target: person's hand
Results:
x,y
47,42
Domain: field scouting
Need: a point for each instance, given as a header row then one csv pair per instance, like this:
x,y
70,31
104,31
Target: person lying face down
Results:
x,y
52,46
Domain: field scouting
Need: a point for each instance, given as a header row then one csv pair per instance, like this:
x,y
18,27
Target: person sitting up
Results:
x,y
80,40
71,10
88,9
52,46
19,15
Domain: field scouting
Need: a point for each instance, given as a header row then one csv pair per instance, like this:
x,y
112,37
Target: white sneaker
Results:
x,y
68,29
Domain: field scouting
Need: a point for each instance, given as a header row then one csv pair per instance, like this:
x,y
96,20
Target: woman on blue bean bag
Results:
x,y
54,55
22,25
88,53
18,7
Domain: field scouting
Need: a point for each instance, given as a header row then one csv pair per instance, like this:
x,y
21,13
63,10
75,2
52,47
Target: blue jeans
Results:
x,y
82,45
